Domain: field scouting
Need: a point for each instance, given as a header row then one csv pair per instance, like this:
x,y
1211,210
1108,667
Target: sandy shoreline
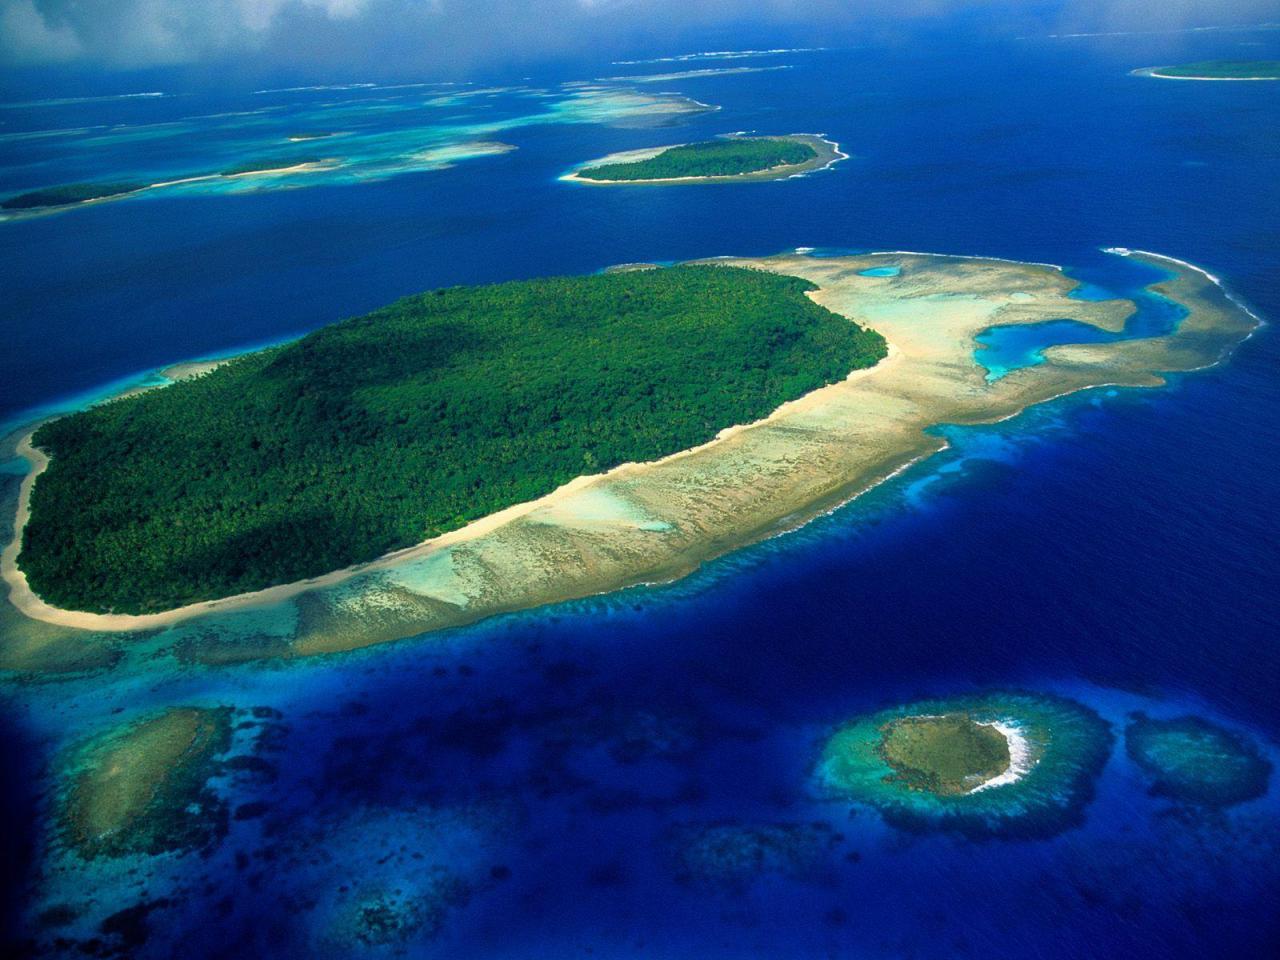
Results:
x,y
656,522
31,605
1155,72
829,154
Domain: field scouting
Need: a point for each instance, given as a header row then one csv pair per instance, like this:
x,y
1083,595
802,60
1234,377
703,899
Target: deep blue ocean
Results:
x,y
1118,547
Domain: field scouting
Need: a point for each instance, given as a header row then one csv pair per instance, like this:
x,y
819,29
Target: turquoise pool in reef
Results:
x,y
880,272
1003,349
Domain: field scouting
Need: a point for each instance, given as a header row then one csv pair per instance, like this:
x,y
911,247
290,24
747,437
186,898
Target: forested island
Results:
x,y
385,430
72,193
714,160
67,194
1219,70
949,754
266,166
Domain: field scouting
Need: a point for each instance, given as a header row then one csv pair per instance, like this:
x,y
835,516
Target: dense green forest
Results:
x,y
712,158
1226,69
264,166
65,194
68,193
384,430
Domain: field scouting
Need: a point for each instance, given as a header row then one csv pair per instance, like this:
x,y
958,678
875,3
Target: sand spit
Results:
x,y
1155,72
656,522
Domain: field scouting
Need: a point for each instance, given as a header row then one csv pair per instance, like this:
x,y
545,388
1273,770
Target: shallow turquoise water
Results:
x,y
1022,345
1004,349
880,272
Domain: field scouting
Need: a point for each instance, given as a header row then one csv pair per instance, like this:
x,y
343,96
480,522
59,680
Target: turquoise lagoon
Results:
x,y
1004,349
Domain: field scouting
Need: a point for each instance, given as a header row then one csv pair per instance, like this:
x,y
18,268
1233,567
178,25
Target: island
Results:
x,y
279,165
993,764
723,160
952,754
1216,70
386,430
651,520
53,199
68,194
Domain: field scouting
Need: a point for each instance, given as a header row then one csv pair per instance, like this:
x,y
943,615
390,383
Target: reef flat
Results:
x,y
657,521
1193,760
142,789
998,764
734,159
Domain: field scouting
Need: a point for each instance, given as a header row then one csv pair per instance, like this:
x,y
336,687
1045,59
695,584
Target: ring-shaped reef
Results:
x,y
997,764
1192,760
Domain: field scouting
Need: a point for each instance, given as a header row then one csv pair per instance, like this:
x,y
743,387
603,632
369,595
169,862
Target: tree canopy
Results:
x,y
712,158
67,194
384,430
1225,69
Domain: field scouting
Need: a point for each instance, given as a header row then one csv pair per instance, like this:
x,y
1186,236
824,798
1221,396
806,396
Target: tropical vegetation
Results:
x,y
728,157
387,429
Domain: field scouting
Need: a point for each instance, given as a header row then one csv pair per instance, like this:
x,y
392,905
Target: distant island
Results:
x,y
1217,70
269,166
68,194
389,429
724,159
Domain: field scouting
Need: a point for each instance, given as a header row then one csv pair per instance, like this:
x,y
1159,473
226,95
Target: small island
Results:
x,y
386,430
69,194
53,199
723,160
951,754
279,165
1216,70
997,764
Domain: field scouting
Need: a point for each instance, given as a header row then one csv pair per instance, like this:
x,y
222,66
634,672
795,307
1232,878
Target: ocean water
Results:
x,y
535,779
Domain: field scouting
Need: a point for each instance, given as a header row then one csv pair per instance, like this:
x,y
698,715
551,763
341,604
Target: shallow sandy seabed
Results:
x,y
655,522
